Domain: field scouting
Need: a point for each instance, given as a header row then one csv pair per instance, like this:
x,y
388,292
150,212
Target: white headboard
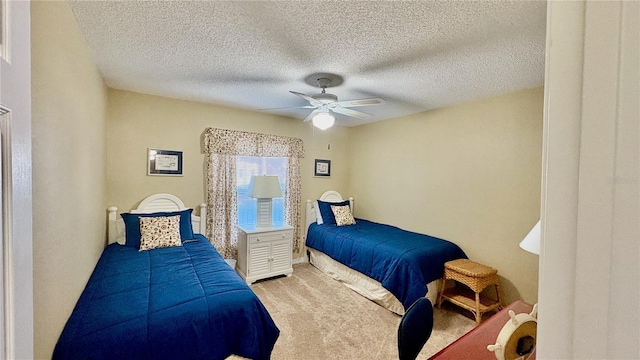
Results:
x,y
328,196
155,203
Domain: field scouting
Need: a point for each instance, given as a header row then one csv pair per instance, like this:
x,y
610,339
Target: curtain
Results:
x,y
221,148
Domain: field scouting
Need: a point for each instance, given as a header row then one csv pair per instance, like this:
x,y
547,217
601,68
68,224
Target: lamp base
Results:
x,y
263,213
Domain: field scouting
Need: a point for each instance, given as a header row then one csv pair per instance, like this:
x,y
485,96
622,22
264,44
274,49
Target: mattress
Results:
x,y
364,285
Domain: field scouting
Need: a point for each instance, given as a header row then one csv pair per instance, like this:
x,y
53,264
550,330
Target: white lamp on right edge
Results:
x,y
531,242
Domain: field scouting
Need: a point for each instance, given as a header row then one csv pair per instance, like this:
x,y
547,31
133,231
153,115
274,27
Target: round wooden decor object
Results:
x,y
517,339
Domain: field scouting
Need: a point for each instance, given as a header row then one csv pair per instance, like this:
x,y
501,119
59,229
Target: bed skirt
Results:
x,y
362,284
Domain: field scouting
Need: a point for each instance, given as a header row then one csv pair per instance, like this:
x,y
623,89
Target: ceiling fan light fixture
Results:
x,y
323,120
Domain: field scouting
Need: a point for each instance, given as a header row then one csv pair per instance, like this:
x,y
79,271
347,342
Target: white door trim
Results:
x,y
588,234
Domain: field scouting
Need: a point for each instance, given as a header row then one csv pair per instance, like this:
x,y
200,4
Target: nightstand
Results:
x,y
476,277
264,252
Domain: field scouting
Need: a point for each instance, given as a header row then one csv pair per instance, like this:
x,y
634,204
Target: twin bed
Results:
x,y
383,263
179,302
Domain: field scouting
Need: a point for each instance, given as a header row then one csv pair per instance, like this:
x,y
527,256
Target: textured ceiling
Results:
x,y
417,55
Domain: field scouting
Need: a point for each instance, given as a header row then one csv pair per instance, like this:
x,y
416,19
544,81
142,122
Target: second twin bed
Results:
x,y
388,265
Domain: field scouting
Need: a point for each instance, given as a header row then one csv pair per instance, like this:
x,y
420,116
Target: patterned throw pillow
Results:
x,y
343,215
159,232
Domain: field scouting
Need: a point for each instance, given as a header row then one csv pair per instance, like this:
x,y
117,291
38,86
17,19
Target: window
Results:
x,y
247,166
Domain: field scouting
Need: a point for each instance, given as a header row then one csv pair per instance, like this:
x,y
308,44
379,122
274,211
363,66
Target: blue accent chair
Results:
x,y
415,328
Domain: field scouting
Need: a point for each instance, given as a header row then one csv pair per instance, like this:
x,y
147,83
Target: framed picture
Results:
x,y
322,168
164,162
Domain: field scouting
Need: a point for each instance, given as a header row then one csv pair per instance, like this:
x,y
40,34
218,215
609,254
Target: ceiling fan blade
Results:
x,y
313,113
311,100
352,113
289,108
361,102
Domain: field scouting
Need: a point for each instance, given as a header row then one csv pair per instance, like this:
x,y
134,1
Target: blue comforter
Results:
x,y
181,302
402,261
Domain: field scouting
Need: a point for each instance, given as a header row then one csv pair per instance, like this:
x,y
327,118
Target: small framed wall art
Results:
x,y
164,162
322,168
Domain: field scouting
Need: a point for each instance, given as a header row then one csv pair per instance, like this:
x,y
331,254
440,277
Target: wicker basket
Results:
x,y
476,276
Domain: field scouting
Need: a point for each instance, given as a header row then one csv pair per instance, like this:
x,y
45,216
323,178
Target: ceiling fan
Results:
x,y
325,103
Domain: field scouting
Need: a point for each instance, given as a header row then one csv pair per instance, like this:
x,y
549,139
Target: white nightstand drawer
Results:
x,y
270,236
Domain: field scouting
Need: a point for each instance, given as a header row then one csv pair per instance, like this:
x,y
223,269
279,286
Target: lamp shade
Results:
x,y
323,120
531,242
264,186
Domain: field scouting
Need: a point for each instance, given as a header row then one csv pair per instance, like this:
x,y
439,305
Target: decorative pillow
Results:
x,y
159,232
343,215
132,225
325,210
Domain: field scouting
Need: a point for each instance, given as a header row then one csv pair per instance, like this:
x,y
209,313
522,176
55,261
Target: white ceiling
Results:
x,y
417,55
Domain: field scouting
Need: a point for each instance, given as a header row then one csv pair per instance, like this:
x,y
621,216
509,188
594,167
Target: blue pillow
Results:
x,y
325,210
132,225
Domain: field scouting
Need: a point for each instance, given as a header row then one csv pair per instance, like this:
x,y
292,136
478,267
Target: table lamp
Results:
x,y
531,242
264,188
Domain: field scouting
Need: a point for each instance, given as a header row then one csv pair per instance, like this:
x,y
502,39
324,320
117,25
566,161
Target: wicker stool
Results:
x,y
476,277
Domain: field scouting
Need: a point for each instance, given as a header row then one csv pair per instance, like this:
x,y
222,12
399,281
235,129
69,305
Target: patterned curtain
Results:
x,y
292,211
222,204
221,148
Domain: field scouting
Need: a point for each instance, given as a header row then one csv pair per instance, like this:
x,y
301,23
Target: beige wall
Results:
x,y
138,121
469,174
69,178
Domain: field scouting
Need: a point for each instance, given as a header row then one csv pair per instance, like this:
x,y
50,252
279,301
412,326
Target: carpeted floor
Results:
x,y
319,318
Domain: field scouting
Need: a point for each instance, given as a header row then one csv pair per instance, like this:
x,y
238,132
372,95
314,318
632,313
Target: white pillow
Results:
x,y
120,231
318,215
